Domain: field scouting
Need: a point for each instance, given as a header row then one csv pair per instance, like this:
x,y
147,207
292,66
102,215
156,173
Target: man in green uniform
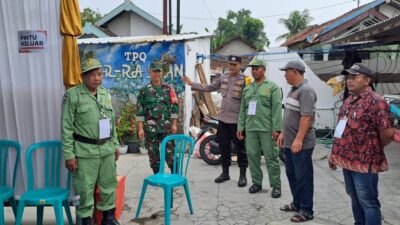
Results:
x,y
90,144
260,116
157,116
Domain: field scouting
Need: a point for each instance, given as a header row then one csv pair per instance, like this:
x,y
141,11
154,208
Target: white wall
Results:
x,y
192,47
31,85
236,47
141,27
120,25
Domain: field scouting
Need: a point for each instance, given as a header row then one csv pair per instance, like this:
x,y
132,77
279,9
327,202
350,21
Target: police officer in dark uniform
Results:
x,y
231,85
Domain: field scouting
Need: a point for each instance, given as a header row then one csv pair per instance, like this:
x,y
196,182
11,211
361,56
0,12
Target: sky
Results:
x,y
196,15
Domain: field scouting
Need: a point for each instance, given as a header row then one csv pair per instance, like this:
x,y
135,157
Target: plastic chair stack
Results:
x,y
177,178
7,188
51,193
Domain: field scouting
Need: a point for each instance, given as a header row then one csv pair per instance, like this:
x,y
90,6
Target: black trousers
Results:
x,y
226,135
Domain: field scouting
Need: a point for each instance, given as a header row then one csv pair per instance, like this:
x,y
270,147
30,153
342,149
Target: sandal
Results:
x,y
300,217
289,208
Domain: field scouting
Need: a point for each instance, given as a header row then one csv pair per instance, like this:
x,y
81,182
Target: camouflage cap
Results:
x,y
156,65
257,62
90,64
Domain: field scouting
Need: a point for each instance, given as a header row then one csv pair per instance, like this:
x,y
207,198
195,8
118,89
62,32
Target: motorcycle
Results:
x,y
209,148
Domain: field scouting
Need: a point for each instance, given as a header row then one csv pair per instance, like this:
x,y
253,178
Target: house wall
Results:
x,y
131,24
192,47
141,27
236,47
120,25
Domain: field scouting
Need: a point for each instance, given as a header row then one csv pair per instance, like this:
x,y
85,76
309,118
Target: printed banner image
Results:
x,y
126,71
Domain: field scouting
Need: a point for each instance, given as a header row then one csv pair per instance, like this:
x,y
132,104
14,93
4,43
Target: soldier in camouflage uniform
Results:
x,y
157,115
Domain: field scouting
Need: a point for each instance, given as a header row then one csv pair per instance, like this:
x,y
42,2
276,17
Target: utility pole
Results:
x,y
178,17
165,12
170,17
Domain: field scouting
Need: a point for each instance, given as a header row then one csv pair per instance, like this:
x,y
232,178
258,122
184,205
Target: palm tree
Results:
x,y
296,22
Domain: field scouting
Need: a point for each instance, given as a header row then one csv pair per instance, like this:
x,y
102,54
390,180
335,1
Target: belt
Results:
x,y
86,140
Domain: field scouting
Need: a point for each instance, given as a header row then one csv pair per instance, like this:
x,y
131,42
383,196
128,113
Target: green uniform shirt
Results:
x,y
268,114
81,112
156,109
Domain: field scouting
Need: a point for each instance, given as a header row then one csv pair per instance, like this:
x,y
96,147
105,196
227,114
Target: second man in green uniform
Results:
x,y
260,116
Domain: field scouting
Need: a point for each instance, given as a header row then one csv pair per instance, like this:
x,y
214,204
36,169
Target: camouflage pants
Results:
x,y
152,144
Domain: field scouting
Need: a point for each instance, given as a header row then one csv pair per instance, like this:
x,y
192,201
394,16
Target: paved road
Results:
x,y
226,204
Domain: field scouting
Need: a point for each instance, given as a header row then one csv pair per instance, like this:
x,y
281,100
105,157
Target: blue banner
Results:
x,y
126,71
126,66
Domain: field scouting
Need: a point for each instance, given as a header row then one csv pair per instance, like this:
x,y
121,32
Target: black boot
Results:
x,y
224,175
109,218
242,178
86,221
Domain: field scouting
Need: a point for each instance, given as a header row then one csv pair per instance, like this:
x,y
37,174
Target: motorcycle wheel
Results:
x,y
205,150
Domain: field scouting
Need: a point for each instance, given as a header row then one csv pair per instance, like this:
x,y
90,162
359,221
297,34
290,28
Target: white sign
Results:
x,y
32,41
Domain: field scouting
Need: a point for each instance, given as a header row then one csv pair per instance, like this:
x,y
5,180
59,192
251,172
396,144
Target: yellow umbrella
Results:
x,y
70,27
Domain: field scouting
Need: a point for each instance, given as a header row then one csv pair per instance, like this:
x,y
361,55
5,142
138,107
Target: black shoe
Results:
x,y
109,218
255,188
242,178
224,175
276,192
86,221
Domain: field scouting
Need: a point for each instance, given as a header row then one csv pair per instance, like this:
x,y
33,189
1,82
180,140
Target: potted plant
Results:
x,y
126,128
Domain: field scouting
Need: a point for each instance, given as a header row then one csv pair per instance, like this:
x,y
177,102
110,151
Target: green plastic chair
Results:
x,y
177,178
7,188
52,193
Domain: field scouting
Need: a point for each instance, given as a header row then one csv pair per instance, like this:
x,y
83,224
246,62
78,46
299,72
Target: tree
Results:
x,y
240,24
89,15
296,22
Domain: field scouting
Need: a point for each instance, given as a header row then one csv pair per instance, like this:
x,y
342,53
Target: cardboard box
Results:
x,y
119,200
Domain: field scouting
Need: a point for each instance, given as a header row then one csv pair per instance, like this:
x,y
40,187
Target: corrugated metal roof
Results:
x,y
142,39
360,11
315,32
365,30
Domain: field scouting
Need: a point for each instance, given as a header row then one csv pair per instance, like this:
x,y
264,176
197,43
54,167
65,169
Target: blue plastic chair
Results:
x,y
7,189
51,193
177,178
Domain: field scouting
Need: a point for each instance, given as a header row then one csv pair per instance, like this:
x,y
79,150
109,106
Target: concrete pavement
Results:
x,y
226,204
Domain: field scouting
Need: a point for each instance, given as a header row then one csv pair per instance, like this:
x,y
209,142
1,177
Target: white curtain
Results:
x,y
31,85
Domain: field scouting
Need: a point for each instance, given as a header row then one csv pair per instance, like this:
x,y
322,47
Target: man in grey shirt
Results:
x,y
298,141
231,86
